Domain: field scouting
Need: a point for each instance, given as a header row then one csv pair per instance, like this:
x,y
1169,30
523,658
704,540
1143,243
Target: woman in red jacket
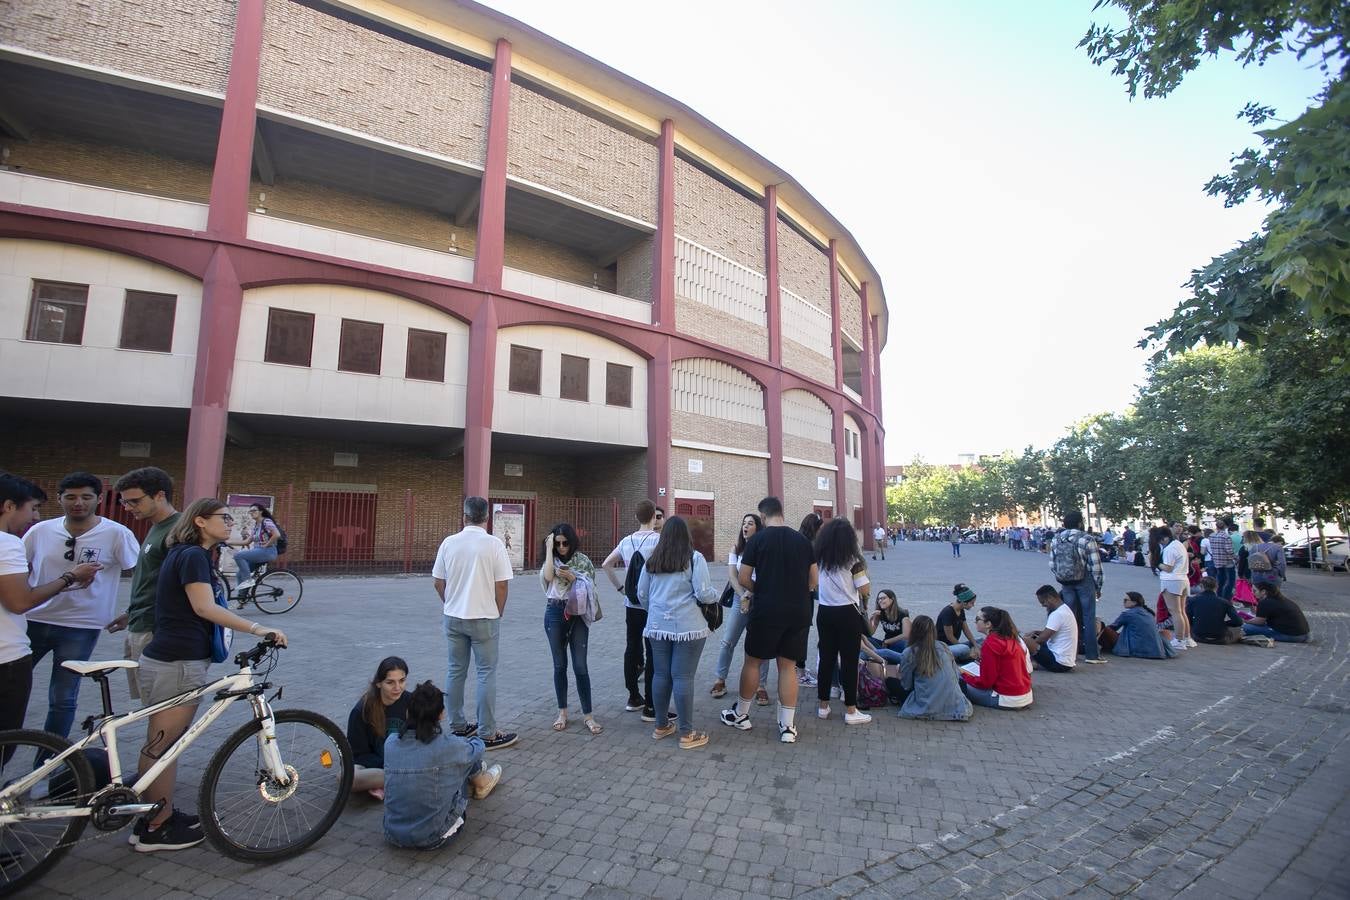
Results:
x,y
1004,675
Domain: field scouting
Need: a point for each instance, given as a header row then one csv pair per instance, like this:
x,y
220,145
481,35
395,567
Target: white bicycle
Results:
x,y
275,786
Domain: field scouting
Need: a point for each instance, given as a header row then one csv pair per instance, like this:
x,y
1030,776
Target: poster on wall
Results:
x,y
508,523
238,505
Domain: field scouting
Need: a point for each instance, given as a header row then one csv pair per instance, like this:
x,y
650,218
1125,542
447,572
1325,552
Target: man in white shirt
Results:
x,y
637,654
471,574
19,502
1175,583
1055,647
68,625
878,541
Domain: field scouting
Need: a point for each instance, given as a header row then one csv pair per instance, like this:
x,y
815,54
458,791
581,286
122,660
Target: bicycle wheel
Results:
x,y
248,815
27,849
278,591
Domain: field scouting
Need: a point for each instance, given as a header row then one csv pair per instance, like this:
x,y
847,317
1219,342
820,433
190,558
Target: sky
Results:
x,y
1028,220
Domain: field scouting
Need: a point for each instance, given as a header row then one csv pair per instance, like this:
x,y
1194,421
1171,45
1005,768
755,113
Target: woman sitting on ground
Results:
x,y
1277,617
379,713
1137,631
928,673
894,621
430,775
1004,679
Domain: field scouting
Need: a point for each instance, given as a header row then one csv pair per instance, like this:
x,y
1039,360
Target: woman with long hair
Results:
x,y
1137,630
1277,617
263,536
809,528
1004,678
379,713
565,565
894,622
843,593
1174,583
430,775
673,584
178,656
928,673
735,620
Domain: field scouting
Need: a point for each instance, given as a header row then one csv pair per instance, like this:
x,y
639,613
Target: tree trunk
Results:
x,y
1326,554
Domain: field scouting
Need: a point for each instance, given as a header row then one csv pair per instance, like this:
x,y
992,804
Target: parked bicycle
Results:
x,y
273,788
274,591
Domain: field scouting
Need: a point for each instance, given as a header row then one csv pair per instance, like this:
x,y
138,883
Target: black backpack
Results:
x,y
630,580
281,539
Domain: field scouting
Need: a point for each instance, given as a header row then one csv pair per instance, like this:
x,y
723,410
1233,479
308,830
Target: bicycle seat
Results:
x,y
99,667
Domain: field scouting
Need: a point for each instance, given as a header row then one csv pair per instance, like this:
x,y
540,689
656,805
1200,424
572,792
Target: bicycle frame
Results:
x,y
235,685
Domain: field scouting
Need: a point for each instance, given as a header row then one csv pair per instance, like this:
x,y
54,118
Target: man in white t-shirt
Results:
x,y
19,502
1175,583
637,654
1055,647
878,541
470,575
68,625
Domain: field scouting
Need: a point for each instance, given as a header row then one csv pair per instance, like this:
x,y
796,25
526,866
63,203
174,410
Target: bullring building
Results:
x,y
365,257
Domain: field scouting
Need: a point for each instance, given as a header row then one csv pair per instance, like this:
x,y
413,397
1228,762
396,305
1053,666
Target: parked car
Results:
x,y
1338,552
1309,550
1296,553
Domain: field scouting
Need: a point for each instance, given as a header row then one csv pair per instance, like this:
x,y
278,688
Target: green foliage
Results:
x,y
1295,273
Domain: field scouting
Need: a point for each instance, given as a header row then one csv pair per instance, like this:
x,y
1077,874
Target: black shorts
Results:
x,y
768,638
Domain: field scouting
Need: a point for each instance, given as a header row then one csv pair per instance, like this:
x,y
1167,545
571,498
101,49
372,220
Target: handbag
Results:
x,y
221,637
595,605
728,596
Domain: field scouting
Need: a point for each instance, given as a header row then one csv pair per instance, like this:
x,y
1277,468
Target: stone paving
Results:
x,y
1221,773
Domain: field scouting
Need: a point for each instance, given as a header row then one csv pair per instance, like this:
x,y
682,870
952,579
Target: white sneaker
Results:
x,y
1190,642
1178,645
856,718
806,679
787,734
730,717
245,584
822,712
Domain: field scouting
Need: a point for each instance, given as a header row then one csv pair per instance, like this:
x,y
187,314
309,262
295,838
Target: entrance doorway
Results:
x,y
825,512
341,527
699,515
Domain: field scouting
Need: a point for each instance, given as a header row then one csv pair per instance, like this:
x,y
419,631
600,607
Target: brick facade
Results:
x,y
725,221
634,278
853,493
802,267
325,68
108,165
738,483
557,261
719,432
558,147
807,362
805,448
702,321
182,42
34,450
850,311
800,489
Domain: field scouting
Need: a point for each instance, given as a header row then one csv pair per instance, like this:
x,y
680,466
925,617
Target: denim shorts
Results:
x,y
160,681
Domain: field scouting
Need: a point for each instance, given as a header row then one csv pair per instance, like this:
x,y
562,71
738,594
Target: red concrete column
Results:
x,y
227,216
870,517
663,250
876,367
836,339
222,300
841,507
772,308
478,403
865,357
773,418
222,297
490,255
658,428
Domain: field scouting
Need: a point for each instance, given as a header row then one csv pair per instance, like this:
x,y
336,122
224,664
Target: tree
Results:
x,y
1294,273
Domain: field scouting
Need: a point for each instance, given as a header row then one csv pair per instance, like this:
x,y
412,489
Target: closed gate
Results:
x,y
341,527
699,515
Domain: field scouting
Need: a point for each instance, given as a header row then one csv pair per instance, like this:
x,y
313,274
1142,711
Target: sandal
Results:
x,y
666,732
762,697
693,740
560,723
719,688
593,726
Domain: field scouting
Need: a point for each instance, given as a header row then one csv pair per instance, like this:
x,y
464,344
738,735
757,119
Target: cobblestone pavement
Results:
x,y
1221,773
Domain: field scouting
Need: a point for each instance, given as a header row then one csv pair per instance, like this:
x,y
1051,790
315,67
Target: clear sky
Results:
x,y
1028,220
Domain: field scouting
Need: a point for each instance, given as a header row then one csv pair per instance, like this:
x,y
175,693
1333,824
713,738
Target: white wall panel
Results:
x,y
707,277
806,415
709,387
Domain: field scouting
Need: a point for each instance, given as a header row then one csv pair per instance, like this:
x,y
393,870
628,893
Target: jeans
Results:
x,y
838,635
566,634
480,637
979,696
247,560
16,683
1227,578
891,654
1047,660
63,693
956,548
733,626
1081,598
960,651
1249,628
676,663
633,658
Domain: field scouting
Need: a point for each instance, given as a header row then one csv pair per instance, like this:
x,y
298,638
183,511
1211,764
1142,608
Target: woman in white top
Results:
x,y
1174,581
844,588
733,625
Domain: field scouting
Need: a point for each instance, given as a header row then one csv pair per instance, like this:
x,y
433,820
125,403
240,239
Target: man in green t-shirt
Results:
x,y
148,494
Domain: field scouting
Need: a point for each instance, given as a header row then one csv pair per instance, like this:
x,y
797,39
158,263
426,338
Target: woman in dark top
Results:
x,y
380,712
177,657
894,622
1277,616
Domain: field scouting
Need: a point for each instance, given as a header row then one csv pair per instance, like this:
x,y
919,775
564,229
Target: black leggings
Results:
x,y
839,635
633,657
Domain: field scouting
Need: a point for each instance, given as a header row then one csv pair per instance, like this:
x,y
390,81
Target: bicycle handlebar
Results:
x,y
254,656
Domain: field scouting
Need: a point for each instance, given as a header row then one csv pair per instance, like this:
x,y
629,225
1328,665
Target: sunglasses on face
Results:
x,y
561,543
70,551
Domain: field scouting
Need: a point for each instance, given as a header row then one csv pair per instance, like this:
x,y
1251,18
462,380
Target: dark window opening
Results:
x,y
147,321
576,377
290,337
618,385
56,313
360,347
526,365
426,355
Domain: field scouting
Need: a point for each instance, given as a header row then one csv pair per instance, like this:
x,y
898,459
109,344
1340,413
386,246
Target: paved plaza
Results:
x,y
1223,773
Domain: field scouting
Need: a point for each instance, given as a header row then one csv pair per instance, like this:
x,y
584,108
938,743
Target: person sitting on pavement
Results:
x,y
1277,617
1003,679
1055,647
1137,631
1213,619
429,775
894,621
379,713
953,630
928,673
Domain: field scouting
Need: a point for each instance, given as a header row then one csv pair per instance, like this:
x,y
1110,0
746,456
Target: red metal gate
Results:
x,y
699,516
341,528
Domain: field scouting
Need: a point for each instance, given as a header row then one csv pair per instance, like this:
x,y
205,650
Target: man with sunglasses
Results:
x,y
146,493
68,625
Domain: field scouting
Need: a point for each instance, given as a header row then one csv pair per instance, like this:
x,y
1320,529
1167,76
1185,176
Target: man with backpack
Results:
x,y
1077,566
633,551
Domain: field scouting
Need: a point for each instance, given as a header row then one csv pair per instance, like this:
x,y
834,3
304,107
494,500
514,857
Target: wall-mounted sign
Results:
x,y
508,523
514,470
696,466
822,482
347,460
